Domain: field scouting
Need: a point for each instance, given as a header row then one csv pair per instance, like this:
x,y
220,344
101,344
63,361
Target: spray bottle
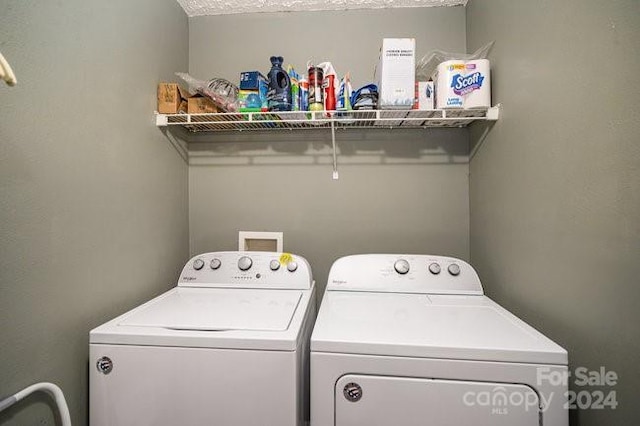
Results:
x,y
329,85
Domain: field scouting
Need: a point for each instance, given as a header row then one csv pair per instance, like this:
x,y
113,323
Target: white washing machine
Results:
x,y
412,340
228,346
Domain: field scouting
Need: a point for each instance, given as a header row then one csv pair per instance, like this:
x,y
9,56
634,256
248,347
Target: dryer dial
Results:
x,y
274,265
215,263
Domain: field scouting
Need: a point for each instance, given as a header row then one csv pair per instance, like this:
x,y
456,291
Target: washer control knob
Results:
x,y
198,264
434,268
454,269
292,266
274,265
244,263
401,266
215,263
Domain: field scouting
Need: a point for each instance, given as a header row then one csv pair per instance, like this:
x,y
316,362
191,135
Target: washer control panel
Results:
x,y
247,270
392,273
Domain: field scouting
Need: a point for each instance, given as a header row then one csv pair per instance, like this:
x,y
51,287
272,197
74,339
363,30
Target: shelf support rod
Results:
x,y
333,144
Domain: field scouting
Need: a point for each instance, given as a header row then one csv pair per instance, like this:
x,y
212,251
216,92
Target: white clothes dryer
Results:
x,y
228,346
412,340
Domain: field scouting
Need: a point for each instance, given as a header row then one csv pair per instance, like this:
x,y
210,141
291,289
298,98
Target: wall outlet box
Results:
x,y
260,241
395,73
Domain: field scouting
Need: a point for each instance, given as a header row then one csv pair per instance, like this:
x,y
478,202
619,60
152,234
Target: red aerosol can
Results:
x,y
329,92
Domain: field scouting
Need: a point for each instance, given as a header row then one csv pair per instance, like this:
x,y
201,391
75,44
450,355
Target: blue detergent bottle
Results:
x,y
279,94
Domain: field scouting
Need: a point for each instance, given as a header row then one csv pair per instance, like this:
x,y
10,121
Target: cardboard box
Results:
x,y
170,98
249,101
425,95
200,105
395,73
252,82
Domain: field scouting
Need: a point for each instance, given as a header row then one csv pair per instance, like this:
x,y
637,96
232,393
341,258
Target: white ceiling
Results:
x,y
224,7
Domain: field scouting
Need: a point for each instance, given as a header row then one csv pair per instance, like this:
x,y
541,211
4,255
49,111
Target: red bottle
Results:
x,y
329,93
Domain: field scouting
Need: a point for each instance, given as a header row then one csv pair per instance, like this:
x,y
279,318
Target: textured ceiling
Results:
x,y
224,7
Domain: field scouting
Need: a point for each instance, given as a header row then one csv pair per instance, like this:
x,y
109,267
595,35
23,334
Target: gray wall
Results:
x,y
398,191
555,205
93,198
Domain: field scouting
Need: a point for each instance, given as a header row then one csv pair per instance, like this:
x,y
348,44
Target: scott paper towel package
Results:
x,y
446,73
463,84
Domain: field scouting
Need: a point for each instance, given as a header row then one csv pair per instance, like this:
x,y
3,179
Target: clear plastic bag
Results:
x,y
426,67
222,92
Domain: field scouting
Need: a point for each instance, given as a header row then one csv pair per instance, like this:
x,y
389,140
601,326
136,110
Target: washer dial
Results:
x,y
454,269
274,265
215,263
198,264
244,263
292,266
401,266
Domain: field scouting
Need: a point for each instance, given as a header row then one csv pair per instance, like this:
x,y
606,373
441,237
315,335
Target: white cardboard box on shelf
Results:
x,y
395,73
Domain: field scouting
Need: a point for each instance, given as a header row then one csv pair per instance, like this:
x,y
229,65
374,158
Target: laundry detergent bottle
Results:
x,y
279,94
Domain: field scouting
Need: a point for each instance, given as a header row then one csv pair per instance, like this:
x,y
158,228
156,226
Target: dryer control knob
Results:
x,y
454,269
198,264
434,268
244,263
215,263
292,266
401,266
274,265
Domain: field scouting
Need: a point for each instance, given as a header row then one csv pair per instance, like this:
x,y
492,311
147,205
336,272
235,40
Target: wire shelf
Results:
x,y
293,120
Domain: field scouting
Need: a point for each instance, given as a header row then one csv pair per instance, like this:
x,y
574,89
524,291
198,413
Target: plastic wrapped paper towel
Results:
x,y
446,73
478,78
463,84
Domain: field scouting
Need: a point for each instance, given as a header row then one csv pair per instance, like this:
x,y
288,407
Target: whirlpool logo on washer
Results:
x,y
352,392
339,281
189,278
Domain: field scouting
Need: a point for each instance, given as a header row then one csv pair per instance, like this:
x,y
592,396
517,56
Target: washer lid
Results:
x,y
428,326
217,310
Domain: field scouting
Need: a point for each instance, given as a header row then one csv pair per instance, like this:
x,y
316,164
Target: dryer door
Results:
x,y
383,401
